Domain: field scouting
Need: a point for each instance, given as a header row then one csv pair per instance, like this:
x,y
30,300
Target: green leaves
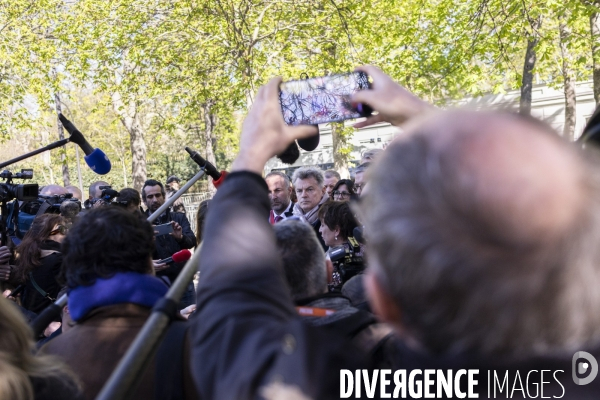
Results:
x,y
171,58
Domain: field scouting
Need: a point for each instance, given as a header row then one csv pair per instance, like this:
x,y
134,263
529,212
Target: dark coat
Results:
x,y
94,346
45,276
55,387
166,245
246,334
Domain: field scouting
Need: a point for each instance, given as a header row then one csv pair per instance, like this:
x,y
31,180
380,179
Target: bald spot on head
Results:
x,y
74,190
53,190
523,180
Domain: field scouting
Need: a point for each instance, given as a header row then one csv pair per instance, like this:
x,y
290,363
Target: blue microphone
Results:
x,y
94,158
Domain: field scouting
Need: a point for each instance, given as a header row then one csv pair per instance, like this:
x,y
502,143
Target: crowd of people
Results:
x,y
468,243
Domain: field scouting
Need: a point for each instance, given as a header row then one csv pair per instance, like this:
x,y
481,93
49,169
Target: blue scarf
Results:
x,y
124,287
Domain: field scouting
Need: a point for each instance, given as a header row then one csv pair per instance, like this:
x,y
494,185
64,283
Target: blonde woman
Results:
x,y
24,376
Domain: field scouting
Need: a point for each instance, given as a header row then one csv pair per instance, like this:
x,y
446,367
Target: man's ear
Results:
x,y
329,269
381,302
323,189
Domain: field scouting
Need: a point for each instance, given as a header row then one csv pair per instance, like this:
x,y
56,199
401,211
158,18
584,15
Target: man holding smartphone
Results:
x,y
181,237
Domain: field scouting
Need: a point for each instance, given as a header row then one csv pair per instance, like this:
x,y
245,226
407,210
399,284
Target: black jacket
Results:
x,y
45,276
246,334
166,245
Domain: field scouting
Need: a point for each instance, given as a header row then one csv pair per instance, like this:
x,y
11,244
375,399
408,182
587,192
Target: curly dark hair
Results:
x,y
105,241
337,214
28,251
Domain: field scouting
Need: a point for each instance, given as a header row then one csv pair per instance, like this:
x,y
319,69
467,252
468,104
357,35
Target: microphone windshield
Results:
x,y
309,144
98,162
70,209
181,256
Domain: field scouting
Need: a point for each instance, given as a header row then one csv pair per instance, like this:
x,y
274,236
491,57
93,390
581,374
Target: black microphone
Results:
x,y
310,143
205,165
218,177
94,158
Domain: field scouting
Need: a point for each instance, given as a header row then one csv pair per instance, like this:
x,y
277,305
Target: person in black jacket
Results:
x,y
247,339
182,237
39,260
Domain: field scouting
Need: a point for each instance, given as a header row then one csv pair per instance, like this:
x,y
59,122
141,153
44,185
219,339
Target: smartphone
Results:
x,y
163,229
320,100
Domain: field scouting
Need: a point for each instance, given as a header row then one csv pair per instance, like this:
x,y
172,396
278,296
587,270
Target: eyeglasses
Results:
x,y
341,194
59,229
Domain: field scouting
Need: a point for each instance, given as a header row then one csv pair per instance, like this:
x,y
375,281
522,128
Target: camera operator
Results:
x,y
337,226
95,193
181,237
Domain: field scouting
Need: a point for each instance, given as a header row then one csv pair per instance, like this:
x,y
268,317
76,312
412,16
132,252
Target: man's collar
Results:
x,y
288,209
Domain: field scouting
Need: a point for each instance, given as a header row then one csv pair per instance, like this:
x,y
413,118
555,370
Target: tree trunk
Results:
x,y
340,156
529,65
569,83
130,119
595,32
210,122
61,136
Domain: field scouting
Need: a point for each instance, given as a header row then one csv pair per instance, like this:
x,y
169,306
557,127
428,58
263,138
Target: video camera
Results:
x,y
348,261
23,192
107,196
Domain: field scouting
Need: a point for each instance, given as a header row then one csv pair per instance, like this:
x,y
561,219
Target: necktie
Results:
x,y
278,218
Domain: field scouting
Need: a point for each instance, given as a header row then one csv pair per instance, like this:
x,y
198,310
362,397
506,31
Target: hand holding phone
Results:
x,y
326,99
163,229
393,103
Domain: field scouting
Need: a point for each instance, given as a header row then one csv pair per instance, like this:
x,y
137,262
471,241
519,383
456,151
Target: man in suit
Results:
x,y
280,195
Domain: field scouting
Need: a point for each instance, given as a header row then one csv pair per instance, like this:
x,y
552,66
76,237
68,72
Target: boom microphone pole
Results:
x,y
124,379
95,158
175,196
47,315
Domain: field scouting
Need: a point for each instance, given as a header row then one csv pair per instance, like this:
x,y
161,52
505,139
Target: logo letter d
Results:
x,y
592,362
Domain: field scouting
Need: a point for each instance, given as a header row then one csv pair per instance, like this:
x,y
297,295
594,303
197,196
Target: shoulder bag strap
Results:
x,y
39,289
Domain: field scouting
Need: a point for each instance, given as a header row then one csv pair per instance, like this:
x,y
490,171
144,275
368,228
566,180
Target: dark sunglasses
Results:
x,y
60,229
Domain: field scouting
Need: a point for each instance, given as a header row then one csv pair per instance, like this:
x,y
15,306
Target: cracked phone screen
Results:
x,y
320,100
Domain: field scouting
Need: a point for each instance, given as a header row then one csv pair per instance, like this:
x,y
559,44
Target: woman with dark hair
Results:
x,y
337,227
39,261
343,190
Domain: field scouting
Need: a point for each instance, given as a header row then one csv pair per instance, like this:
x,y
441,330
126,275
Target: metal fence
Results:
x,y
191,201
